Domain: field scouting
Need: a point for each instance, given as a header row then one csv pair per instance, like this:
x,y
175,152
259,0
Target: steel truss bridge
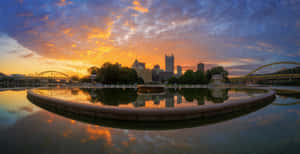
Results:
x,y
251,77
46,78
53,75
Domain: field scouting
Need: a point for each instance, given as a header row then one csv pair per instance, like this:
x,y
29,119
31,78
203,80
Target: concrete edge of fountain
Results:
x,y
155,115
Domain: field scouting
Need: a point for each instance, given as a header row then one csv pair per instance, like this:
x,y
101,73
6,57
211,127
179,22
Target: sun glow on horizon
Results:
x,y
70,36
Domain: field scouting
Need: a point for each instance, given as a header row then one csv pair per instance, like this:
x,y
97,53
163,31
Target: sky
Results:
x,y
72,35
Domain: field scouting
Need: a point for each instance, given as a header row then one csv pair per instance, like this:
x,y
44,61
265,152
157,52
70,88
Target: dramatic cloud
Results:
x,y
230,33
28,55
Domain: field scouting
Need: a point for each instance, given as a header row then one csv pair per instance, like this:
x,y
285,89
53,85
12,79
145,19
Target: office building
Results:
x,y
179,70
146,74
169,61
165,76
142,72
200,67
155,73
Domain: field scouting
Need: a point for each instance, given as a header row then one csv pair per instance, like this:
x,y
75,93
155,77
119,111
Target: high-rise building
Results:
x,y
179,70
155,73
169,59
200,67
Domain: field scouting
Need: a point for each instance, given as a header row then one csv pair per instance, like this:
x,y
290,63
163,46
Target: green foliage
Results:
x,y
189,77
199,77
115,74
217,70
93,70
173,80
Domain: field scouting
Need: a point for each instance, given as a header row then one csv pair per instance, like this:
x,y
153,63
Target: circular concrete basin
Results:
x,y
150,114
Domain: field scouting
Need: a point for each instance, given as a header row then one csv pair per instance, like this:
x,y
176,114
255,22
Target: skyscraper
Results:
x,y
170,63
179,70
200,67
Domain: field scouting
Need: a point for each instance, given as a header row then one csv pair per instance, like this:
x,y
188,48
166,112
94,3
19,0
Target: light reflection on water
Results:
x,y
273,129
132,99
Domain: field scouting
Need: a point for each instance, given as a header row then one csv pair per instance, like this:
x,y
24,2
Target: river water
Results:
x,y
27,128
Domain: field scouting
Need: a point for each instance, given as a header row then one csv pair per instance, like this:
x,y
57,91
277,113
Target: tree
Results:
x,y
93,70
190,77
200,78
115,74
173,80
217,70
187,77
75,78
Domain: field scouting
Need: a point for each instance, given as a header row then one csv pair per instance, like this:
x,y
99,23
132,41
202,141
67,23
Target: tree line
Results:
x,y
199,77
114,74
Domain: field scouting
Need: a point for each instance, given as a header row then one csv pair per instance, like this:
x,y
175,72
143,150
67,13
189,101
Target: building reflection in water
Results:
x,y
170,98
179,99
169,101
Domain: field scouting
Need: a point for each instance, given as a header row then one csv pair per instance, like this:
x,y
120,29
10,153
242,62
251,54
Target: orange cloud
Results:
x,y
49,44
104,49
74,45
249,60
97,33
96,133
46,17
66,31
137,7
63,3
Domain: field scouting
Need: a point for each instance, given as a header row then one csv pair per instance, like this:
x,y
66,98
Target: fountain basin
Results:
x,y
150,114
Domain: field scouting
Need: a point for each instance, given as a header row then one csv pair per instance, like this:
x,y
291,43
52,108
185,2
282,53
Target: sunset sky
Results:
x,y
72,35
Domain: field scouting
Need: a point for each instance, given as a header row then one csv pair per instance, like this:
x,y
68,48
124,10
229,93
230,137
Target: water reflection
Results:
x,y
286,101
168,99
13,108
273,129
114,97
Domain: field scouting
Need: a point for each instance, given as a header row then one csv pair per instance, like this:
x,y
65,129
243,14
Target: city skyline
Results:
x,y
72,35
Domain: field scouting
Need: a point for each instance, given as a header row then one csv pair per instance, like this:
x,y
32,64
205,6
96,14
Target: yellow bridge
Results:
x,y
251,77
